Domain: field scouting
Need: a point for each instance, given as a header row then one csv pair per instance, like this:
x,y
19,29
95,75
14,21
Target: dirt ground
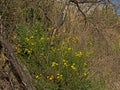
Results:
x,y
8,81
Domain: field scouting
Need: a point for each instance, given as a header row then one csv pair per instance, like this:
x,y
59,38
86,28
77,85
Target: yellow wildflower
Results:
x,y
40,75
90,43
69,49
50,77
28,51
73,66
18,49
75,39
65,63
54,64
59,76
27,39
42,39
85,74
31,37
79,54
85,64
65,60
37,77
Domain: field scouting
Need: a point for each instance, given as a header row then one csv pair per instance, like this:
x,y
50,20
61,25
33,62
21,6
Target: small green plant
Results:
x,y
60,67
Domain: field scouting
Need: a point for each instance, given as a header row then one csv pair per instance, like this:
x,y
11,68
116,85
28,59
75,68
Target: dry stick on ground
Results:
x,y
18,69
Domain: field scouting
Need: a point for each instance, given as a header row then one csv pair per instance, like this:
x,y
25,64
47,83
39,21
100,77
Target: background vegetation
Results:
x,y
83,57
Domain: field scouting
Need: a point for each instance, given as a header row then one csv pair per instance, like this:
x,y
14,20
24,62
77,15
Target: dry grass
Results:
x,y
102,30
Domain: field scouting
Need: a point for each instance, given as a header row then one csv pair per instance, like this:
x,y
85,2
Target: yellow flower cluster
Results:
x,y
75,39
65,63
69,49
85,64
73,67
90,43
43,39
38,76
78,54
28,51
31,37
28,38
54,64
59,76
50,77
85,74
17,47
85,70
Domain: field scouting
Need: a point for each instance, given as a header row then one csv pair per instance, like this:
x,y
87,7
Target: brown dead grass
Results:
x,y
103,30
8,81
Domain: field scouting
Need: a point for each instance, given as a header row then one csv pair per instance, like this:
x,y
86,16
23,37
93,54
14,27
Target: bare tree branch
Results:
x,y
77,3
60,21
79,9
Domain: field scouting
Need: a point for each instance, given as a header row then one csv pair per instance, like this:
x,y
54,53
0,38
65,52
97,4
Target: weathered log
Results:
x,y
14,62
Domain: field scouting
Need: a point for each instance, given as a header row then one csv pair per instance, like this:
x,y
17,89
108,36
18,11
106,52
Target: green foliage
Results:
x,y
61,67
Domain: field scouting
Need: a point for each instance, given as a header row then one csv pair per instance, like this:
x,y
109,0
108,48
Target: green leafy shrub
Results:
x,y
60,67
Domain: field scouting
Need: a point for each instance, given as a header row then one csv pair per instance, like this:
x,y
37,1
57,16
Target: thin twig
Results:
x,y
60,21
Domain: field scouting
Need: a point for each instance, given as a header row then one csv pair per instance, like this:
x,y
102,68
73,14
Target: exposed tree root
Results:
x,y
12,62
